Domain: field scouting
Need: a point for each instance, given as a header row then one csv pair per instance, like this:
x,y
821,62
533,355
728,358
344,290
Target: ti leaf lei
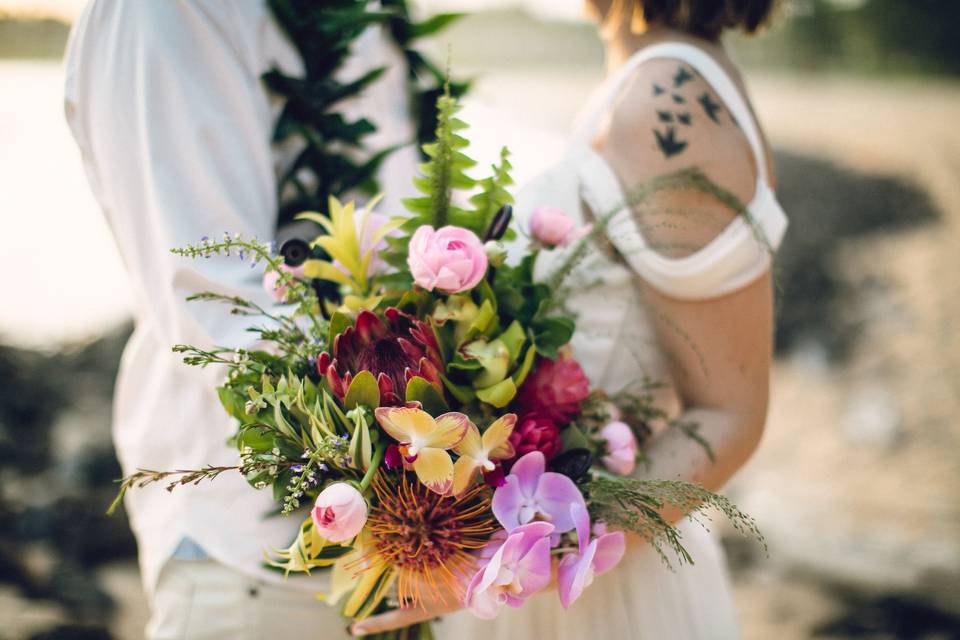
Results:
x,y
323,33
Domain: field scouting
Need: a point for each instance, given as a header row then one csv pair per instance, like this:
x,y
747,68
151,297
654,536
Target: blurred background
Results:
x,y
857,482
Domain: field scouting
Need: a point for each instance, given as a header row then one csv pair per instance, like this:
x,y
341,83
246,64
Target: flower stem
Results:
x,y
374,465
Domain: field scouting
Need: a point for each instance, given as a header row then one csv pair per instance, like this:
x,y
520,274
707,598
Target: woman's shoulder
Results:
x,y
668,117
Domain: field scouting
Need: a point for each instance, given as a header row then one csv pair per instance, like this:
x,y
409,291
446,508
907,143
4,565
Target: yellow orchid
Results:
x,y
477,452
425,440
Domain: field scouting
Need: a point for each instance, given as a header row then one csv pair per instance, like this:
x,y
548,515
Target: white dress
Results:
x,y
641,599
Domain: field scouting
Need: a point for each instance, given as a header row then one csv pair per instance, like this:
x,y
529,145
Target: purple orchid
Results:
x,y
532,493
577,570
519,568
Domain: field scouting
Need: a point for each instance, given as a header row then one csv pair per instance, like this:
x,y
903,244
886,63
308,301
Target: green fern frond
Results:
x,y
444,170
492,196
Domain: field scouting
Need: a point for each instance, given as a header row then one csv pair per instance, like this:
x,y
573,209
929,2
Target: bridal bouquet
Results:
x,y
429,412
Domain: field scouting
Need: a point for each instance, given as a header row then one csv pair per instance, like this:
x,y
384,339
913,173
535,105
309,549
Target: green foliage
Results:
x,y
634,505
442,173
493,194
323,33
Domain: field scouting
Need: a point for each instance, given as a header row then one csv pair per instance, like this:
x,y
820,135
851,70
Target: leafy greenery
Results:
x,y
442,173
634,505
323,33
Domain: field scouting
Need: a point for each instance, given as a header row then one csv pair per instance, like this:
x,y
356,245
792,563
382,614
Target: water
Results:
x,y
63,279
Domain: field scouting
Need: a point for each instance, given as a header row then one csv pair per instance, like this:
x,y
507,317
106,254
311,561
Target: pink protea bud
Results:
x,y
555,389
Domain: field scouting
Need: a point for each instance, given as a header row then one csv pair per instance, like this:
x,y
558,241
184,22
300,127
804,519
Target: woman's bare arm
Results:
x,y
718,350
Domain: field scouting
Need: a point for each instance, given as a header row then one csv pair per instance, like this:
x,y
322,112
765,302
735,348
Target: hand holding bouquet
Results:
x,y
429,412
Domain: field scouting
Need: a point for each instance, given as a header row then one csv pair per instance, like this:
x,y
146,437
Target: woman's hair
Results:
x,y
703,18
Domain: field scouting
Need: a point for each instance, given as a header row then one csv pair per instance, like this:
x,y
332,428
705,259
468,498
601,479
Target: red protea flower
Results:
x,y
554,389
536,432
393,351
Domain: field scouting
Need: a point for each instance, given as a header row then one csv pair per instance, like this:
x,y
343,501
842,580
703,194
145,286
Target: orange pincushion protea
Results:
x,y
427,538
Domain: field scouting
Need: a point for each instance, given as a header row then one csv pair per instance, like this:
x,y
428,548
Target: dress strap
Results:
x,y
703,64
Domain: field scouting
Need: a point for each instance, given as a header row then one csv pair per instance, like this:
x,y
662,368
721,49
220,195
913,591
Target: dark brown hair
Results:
x,y
703,18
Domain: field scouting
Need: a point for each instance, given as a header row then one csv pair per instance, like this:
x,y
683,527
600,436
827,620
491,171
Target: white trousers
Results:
x,y
204,600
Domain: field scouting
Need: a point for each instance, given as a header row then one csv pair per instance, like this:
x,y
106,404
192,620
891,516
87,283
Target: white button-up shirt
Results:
x,y
165,100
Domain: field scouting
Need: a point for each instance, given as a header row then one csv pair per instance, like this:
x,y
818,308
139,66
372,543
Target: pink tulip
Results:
x,y
272,284
577,570
552,227
451,259
339,512
621,447
519,568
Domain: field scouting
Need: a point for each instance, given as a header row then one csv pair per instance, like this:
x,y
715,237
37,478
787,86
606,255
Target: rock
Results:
x,y
872,417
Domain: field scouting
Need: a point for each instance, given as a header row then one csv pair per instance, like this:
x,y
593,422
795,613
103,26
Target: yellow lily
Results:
x,y
425,440
343,244
477,452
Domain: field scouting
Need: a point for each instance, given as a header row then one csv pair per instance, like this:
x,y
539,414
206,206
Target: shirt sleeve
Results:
x,y
174,126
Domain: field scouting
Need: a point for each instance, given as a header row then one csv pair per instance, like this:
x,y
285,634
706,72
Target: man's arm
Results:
x,y
174,125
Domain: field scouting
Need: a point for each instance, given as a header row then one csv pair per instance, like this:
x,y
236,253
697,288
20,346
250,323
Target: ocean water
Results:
x,y
62,278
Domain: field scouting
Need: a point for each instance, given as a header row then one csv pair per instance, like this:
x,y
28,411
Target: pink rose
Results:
x,y
621,448
552,227
272,284
451,259
339,512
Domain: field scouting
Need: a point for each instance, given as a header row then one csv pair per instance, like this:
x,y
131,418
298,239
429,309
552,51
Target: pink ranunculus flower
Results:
x,y
535,432
577,570
451,259
339,512
552,227
621,446
518,568
272,284
532,493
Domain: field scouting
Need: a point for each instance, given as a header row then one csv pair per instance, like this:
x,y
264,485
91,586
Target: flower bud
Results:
x,y
339,513
496,252
621,446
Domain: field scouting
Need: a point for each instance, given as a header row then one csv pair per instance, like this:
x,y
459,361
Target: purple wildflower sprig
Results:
x,y
331,452
255,252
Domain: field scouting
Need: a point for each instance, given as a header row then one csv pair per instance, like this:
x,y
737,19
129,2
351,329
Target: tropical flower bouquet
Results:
x,y
429,413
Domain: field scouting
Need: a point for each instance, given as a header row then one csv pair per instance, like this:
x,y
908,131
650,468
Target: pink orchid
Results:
x,y
577,570
519,568
532,493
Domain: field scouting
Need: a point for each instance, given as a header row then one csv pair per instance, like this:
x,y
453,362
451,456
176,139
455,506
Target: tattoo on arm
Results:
x,y
709,105
668,143
681,76
666,137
